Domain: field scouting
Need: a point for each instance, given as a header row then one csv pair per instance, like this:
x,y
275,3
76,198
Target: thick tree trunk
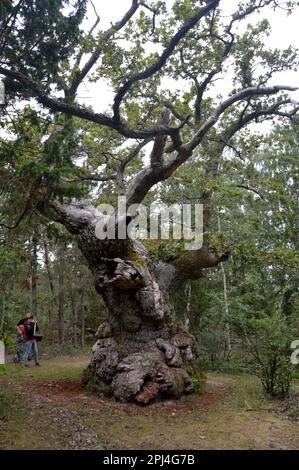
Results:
x,y
141,353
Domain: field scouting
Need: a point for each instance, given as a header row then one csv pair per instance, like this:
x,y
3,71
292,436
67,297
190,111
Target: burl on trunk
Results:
x,y
141,353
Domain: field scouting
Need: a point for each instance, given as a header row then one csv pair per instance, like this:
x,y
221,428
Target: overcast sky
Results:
x,y
284,33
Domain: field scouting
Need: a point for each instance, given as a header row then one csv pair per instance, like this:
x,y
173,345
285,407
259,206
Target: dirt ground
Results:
x,y
46,408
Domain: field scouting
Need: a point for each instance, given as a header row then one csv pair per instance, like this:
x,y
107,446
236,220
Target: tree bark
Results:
x,y
34,276
141,353
83,310
52,289
226,307
226,310
47,264
61,269
74,317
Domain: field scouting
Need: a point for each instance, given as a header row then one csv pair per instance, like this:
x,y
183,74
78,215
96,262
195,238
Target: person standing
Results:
x,y
31,343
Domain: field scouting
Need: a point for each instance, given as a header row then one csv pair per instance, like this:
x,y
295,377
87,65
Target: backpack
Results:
x,y
23,334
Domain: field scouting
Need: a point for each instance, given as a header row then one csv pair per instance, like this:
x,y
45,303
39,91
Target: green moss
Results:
x,y
162,250
197,377
134,257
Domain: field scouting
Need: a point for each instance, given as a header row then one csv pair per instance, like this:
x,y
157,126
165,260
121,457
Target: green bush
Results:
x,y
268,343
198,383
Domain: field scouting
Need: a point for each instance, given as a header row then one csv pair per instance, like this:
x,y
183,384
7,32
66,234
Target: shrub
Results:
x,y
268,343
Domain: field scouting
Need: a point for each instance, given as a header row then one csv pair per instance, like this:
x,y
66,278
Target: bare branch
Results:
x,y
152,69
153,11
110,177
228,46
237,152
150,176
97,18
200,92
81,112
81,52
21,217
133,154
243,120
96,54
123,164
222,107
248,188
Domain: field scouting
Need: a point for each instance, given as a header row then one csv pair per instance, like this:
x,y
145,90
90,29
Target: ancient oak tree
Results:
x,y
162,60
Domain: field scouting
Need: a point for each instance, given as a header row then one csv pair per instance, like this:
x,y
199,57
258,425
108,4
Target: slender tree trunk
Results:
x,y
83,310
2,316
34,276
226,307
50,280
47,264
61,272
226,310
74,317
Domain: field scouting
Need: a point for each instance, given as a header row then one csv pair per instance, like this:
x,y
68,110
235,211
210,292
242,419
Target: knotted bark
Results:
x,y
141,353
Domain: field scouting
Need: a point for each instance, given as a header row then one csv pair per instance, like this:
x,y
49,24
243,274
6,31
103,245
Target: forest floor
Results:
x,y
46,408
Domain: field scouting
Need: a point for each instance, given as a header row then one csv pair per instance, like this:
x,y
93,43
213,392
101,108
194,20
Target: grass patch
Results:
x,y
12,418
55,350
61,367
7,400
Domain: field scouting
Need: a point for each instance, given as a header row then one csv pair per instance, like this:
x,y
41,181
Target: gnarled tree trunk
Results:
x,y
141,353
